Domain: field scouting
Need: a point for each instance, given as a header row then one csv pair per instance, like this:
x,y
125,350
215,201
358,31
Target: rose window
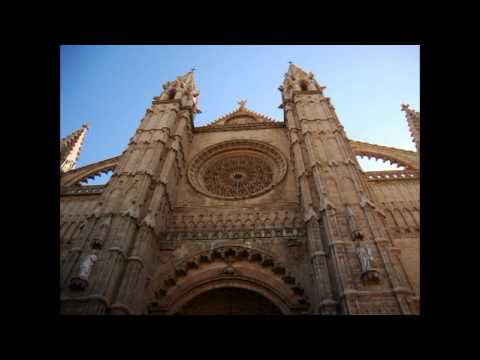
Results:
x,y
237,170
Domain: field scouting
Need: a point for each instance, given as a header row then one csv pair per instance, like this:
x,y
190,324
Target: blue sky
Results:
x,y
111,86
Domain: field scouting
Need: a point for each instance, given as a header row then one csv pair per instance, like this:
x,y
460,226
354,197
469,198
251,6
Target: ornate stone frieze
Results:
x,y
291,234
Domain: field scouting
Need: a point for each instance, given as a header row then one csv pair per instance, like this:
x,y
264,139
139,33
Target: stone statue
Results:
x,y
86,266
366,259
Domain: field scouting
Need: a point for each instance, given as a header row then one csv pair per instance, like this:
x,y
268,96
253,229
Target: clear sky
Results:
x,y
112,86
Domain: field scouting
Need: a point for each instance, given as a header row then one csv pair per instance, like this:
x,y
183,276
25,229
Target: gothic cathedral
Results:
x,y
246,215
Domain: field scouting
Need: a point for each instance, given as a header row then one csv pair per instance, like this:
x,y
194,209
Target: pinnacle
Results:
x,y
70,147
293,69
408,110
189,78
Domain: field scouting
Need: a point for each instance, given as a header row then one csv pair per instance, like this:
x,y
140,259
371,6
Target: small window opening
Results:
x,y
171,94
303,85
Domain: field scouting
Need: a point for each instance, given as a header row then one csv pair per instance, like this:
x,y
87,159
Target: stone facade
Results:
x,y
246,215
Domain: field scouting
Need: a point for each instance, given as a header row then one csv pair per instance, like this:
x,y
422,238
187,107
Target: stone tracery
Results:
x,y
238,176
237,169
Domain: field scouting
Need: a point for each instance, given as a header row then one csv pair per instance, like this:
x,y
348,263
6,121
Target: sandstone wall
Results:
x,y
73,210
400,200
269,221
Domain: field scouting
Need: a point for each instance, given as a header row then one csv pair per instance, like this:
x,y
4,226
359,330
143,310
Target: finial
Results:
x,y
405,107
242,104
87,125
193,69
290,62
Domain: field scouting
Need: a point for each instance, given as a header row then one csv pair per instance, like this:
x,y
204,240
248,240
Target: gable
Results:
x,y
241,117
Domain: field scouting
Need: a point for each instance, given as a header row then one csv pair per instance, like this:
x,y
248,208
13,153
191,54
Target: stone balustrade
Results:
x,y
392,175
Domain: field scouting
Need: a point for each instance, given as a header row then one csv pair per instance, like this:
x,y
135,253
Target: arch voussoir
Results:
x,y
229,266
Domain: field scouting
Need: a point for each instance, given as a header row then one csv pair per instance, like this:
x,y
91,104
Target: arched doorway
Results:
x,y
228,279
229,301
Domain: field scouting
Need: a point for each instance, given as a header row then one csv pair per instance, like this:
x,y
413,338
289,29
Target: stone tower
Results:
x,y
341,216
70,148
113,257
245,215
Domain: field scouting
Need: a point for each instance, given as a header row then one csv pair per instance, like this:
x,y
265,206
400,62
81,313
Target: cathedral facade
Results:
x,y
246,215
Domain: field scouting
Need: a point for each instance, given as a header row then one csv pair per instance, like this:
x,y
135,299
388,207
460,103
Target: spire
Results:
x,y
413,120
189,79
70,147
297,80
182,88
295,71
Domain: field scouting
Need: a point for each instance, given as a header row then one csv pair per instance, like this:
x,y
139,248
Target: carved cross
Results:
x,y
242,104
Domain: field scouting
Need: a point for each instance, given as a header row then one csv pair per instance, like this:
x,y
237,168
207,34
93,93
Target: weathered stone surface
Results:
x,y
278,215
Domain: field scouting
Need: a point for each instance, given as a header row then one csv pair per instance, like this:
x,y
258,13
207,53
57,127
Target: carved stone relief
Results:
x,y
237,169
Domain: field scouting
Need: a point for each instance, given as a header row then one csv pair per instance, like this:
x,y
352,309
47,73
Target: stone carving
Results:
x,y
242,104
366,262
237,169
238,176
86,266
81,280
365,255
265,238
364,201
277,224
231,255
229,270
